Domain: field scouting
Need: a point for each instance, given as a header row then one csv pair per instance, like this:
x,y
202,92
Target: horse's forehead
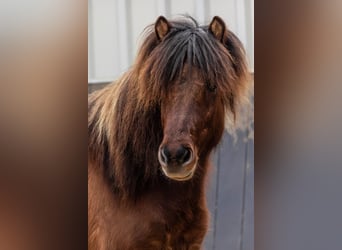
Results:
x,y
190,72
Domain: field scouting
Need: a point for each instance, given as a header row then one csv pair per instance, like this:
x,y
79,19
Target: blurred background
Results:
x,y
114,32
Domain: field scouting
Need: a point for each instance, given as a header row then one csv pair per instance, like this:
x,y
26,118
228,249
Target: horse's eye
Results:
x,y
211,87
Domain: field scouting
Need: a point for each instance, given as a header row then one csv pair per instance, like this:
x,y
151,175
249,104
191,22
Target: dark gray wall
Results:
x,y
230,196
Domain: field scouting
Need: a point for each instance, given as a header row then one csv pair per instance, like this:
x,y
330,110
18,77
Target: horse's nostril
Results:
x,y
183,154
165,154
179,155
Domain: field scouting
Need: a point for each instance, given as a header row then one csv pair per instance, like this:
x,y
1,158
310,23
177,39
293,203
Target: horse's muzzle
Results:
x,y
178,162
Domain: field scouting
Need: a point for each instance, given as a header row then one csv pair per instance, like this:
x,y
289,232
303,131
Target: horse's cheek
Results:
x,y
203,136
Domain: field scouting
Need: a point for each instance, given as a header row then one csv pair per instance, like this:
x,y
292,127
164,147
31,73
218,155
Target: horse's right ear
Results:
x,y
162,27
218,28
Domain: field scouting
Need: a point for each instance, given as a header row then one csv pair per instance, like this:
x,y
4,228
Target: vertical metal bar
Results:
x,y
168,11
129,32
249,32
236,25
241,20
122,36
118,48
200,10
161,7
244,193
207,11
91,52
218,166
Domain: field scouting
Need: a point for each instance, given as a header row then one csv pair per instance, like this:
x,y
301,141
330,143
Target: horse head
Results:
x,y
198,71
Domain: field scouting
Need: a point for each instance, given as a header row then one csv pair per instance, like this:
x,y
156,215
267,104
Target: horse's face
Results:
x,y
193,122
192,107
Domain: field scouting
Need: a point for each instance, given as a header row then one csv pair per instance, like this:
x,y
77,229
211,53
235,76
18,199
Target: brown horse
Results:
x,y
151,134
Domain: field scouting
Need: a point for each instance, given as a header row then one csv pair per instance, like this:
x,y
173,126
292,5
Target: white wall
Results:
x,y
115,26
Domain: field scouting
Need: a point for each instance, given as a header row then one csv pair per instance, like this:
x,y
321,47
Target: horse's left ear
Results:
x,y
217,27
232,43
162,27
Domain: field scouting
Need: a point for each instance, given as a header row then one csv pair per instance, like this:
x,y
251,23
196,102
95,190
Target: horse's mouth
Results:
x,y
179,177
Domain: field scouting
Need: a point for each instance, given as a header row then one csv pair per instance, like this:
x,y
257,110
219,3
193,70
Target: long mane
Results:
x,y
124,126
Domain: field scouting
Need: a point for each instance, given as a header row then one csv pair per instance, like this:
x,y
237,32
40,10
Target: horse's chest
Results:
x,y
160,238
155,223
148,228
170,229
